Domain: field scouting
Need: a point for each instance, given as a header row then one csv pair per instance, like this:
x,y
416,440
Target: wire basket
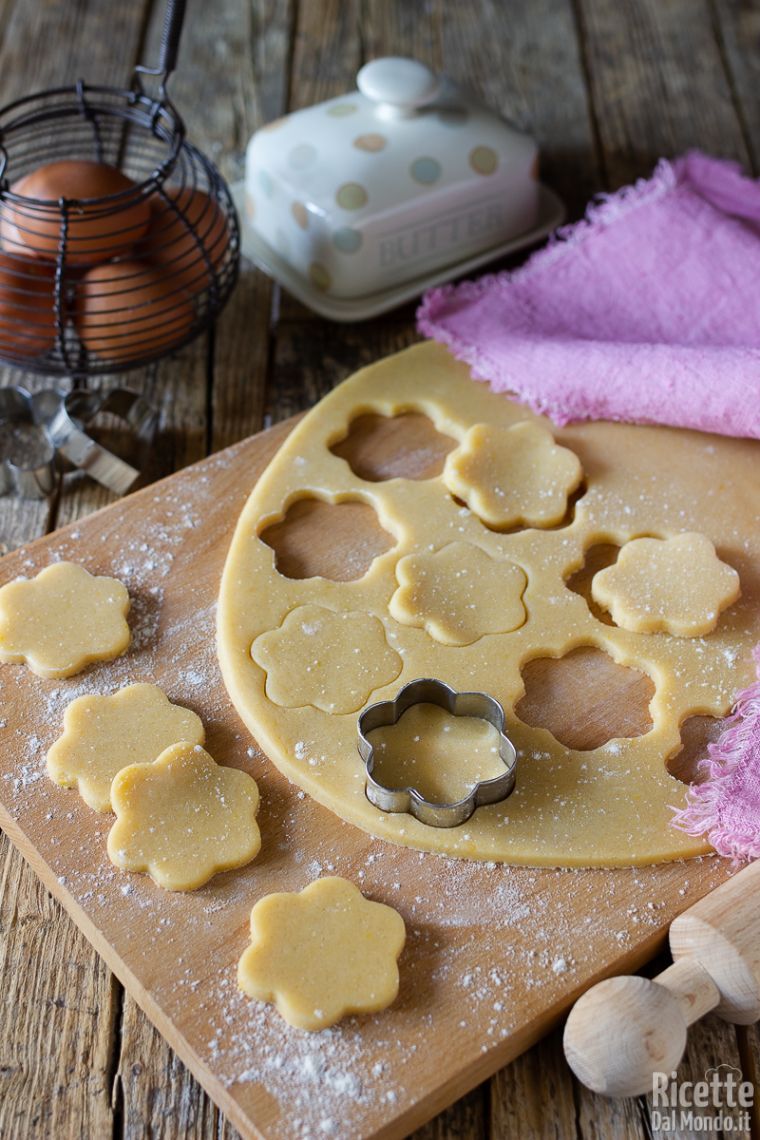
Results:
x,y
93,284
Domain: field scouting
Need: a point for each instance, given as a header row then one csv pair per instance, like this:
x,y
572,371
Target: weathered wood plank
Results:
x,y
58,1006
737,26
232,76
309,360
658,84
158,1096
59,1002
467,1119
533,1097
525,61
748,1041
711,1043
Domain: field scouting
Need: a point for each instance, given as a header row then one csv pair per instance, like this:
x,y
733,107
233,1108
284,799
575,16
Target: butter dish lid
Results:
x,y
406,179
403,134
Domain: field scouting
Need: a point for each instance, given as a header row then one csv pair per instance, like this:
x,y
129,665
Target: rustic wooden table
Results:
x,y
606,88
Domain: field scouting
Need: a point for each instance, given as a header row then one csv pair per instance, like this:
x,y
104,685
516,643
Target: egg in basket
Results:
x,y
118,239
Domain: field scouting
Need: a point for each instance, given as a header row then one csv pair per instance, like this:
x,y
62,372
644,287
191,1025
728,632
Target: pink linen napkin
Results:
x,y
727,805
647,311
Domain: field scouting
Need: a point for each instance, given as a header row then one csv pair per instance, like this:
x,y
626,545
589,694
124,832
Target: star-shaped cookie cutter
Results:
x,y
53,424
430,691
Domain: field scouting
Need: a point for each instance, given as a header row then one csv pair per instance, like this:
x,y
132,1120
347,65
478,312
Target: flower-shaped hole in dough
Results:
x,y
297,539
183,818
404,445
323,953
515,476
459,593
103,734
674,585
332,661
62,620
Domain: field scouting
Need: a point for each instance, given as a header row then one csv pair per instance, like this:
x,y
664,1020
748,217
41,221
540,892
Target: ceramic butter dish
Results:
x,y
391,184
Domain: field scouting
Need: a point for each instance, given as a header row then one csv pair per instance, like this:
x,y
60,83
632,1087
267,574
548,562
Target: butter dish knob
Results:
x,y
398,85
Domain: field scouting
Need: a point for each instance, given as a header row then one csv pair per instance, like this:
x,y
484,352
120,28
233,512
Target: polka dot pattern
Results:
x,y
300,214
319,276
347,240
303,156
425,170
341,110
484,160
351,196
266,183
372,143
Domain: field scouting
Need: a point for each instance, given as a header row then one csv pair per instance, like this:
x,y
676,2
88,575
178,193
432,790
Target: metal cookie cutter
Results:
x,y
67,416
62,420
27,453
428,690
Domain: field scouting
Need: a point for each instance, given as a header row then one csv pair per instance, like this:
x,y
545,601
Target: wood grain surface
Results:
x,y
606,88
494,955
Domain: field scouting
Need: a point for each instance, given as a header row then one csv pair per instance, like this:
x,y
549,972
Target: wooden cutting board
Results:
x,y
494,954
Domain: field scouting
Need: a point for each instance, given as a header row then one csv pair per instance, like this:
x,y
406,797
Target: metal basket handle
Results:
x,y
174,18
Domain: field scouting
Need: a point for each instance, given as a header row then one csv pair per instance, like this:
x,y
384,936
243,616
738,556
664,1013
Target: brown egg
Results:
x,y
27,306
127,311
180,250
97,231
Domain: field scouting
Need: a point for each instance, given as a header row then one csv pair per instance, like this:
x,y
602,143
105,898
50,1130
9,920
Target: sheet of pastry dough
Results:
x,y
609,806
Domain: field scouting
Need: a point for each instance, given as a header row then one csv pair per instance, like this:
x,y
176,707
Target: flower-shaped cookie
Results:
x,y
102,735
515,476
322,954
459,593
330,660
62,620
677,585
183,818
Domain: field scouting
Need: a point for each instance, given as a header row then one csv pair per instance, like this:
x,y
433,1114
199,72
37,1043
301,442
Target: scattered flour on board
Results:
x,y
458,914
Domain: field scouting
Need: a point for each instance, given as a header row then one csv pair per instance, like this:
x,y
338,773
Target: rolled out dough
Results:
x,y
608,806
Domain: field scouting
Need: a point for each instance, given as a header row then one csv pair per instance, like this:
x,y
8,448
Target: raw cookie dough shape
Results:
x,y
332,661
515,476
183,818
322,954
459,593
62,620
602,807
675,585
103,734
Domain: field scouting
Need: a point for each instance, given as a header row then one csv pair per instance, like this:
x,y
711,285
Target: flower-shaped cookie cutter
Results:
x,y
35,429
430,691
27,453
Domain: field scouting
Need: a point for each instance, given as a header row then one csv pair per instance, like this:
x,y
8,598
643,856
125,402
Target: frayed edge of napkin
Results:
x,y
604,210
724,769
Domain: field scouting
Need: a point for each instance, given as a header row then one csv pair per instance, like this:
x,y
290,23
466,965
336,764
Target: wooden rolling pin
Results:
x,y
625,1029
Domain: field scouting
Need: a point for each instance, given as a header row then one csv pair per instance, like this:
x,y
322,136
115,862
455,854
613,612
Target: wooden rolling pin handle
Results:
x,y
692,987
624,1029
